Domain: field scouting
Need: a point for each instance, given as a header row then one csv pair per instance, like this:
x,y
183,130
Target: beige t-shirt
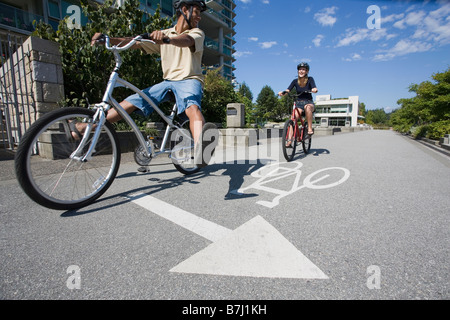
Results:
x,y
180,63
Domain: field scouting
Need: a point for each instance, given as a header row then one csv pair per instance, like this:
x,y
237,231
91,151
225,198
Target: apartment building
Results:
x,y
218,22
336,112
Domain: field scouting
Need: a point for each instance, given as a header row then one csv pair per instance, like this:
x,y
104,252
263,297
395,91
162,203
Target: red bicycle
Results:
x,y
294,133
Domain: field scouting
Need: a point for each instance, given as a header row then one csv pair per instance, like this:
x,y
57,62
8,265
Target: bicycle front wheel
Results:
x,y
307,140
288,141
48,172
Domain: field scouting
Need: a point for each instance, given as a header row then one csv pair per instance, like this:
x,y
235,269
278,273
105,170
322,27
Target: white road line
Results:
x,y
187,220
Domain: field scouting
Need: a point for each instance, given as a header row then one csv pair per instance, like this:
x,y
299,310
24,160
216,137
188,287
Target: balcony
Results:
x,y
211,44
19,19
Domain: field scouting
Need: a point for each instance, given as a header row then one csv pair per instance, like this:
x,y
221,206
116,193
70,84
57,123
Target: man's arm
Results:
x,y
114,41
182,41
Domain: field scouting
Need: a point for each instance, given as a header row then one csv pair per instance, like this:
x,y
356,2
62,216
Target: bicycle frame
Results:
x,y
108,100
298,134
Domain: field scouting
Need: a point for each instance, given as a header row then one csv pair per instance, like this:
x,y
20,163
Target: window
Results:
x,y
166,7
54,10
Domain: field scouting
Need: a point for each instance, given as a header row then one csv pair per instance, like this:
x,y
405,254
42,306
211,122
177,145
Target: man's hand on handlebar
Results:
x,y
158,37
98,39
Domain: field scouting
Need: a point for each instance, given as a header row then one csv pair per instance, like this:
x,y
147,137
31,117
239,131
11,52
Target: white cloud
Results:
x,y
253,39
403,47
353,57
433,26
354,36
392,17
242,54
325,16
318,39
245,1
412,19
267,44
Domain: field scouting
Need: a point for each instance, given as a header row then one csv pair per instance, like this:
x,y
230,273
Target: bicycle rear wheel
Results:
x,y
307,140
288,141
182,154
47,172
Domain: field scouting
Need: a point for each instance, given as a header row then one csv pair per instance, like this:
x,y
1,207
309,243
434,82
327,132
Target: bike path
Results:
x,y
389,214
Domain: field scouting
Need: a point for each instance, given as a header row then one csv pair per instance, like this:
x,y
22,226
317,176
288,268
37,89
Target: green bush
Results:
x,y
438,129
419,131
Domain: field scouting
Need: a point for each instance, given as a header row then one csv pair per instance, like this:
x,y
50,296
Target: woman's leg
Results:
x,y
309,109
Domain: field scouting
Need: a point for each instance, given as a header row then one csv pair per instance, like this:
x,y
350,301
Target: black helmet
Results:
x,y
303,65
201,3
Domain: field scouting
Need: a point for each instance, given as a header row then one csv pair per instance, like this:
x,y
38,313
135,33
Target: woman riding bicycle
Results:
x,y
304,85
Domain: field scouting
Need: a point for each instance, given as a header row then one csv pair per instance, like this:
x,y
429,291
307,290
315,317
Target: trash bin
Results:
x,y
235,115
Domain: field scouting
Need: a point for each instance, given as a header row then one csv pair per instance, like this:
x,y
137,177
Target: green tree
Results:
x,y
428,113
217,94
267,104
86,69
362,112
377,117
245,91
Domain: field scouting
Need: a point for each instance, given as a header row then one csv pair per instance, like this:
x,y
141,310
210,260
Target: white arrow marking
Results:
x,y
255,249
187,220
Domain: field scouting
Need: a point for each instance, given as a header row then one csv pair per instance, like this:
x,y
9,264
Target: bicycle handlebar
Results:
x,y
295,95
143,37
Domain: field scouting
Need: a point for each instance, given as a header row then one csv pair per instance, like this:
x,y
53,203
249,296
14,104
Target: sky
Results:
x,y
366,48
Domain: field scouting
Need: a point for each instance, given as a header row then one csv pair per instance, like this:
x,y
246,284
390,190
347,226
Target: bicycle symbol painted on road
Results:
x,y
278,171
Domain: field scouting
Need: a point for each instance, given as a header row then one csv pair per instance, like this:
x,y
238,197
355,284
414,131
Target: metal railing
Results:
x,y
17,106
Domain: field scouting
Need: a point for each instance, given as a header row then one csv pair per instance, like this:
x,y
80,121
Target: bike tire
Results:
x,y
289,152
49,176
182,146
307,140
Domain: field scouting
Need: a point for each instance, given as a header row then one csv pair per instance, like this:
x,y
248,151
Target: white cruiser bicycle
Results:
x,y
62,173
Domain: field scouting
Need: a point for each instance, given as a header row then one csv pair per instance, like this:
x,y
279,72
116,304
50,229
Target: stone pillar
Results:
x,y
45,68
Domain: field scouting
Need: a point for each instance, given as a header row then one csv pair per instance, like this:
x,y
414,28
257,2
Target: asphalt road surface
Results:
x,y
364,215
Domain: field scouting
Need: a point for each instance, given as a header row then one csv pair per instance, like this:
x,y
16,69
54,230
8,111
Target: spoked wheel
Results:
x,y
50,173
182,145
288,141
307,140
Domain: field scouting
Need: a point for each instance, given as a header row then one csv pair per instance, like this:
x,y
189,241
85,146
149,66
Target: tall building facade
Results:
x,y
218,23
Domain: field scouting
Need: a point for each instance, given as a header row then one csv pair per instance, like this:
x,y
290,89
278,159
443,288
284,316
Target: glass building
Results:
x,y
218,23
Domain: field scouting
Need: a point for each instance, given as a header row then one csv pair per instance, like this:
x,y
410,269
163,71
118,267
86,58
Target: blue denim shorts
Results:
x,y
302,103
187,93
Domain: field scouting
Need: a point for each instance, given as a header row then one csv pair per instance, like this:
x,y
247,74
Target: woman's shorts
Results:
x,y
187,93
302,103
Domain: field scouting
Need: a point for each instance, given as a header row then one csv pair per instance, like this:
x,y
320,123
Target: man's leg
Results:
x,y
112,116
196,121
205,140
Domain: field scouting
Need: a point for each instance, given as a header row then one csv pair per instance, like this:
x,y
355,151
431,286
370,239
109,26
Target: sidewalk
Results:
x,y
7,165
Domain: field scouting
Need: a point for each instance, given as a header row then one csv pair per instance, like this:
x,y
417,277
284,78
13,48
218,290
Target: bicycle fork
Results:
x,y
98,120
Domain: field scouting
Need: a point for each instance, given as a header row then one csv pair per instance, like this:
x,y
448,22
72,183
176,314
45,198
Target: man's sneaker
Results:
x,y
207,143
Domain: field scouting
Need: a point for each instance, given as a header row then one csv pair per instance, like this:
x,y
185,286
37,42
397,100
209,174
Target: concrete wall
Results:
x,y
31,83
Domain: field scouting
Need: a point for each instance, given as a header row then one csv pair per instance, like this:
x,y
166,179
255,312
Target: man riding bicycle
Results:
x,y
303,85
181,50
